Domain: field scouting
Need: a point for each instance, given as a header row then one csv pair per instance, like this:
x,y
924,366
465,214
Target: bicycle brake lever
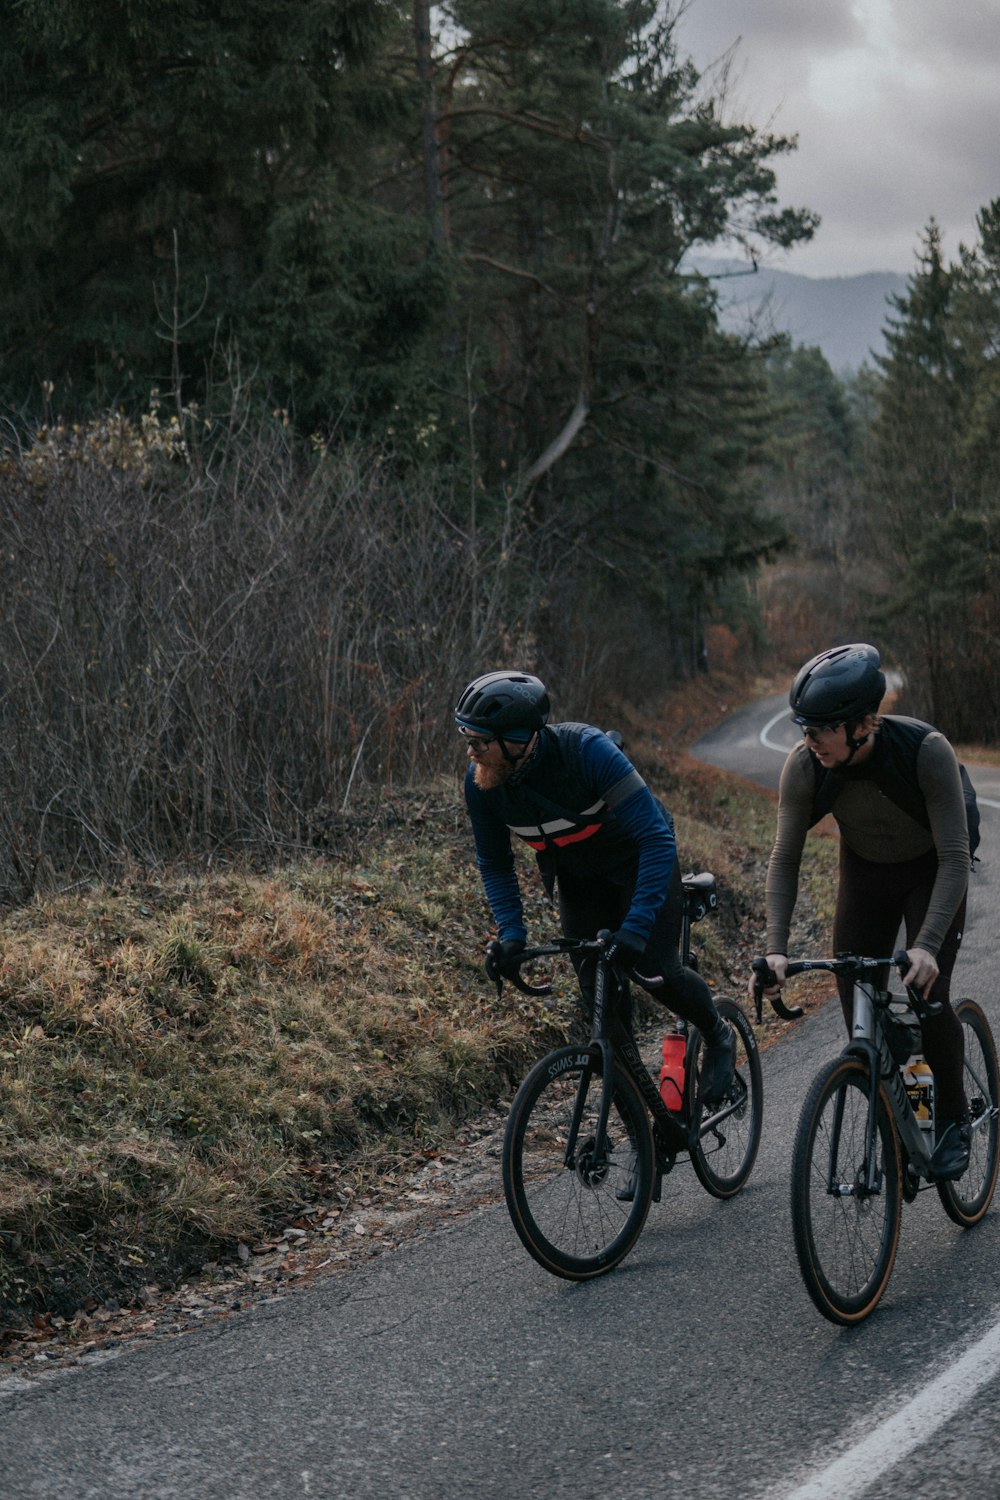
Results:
x,y
494,972
762,976
924,1008
765,977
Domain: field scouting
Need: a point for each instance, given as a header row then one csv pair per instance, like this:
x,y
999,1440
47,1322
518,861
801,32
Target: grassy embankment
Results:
x,y
186,1059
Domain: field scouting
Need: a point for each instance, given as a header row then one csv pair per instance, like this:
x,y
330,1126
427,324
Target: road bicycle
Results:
x,y
589,1137
866,1133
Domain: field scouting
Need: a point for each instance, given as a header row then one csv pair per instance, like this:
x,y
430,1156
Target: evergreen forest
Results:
x,y
350,348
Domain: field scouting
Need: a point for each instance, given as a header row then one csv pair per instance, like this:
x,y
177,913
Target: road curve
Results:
x,y
754,742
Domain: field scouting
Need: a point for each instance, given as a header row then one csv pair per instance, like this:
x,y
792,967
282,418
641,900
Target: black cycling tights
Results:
x,y
587,906
872,902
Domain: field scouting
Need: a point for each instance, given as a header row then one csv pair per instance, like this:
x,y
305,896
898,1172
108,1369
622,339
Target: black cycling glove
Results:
x,y
501,958
625,946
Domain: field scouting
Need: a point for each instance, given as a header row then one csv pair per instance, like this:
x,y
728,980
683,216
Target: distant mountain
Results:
x,y
843,315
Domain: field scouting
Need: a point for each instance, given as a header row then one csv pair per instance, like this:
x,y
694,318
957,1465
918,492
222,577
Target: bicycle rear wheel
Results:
x,y
845,1236
577,1213
967,1200
727,1149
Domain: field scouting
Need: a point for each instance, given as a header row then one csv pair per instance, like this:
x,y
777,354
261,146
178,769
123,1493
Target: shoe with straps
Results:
x,y
950,1157
718,1064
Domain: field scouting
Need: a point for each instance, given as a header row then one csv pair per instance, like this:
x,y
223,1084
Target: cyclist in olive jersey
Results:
x,y
893,868
600,838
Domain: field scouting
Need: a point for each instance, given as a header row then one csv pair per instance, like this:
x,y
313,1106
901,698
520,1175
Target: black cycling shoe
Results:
x,y
950,1156
626,1194
718,1066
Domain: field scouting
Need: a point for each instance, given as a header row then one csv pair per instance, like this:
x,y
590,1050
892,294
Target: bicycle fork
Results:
x,y
600,1041
582,1091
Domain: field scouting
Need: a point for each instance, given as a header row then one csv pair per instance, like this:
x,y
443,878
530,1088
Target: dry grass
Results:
x,y
186,1060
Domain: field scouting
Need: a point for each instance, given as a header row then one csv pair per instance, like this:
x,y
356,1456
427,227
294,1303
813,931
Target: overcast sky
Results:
x,y
896,104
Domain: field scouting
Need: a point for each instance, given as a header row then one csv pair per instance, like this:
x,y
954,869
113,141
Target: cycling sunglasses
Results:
x,y
814,731
477,742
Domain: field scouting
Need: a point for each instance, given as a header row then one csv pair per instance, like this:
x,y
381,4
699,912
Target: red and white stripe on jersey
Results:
x,y
561,831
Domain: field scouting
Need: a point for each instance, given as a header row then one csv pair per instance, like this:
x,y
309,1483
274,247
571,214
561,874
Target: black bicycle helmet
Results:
x,y
838,686
509,705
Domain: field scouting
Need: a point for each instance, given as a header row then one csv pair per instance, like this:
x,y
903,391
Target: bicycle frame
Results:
x,y
868,1040
674,1135
610,1039
861,1148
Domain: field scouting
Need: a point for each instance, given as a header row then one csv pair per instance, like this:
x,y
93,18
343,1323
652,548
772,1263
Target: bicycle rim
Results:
x,y
581,1218
967,1200
845,1237
726,1150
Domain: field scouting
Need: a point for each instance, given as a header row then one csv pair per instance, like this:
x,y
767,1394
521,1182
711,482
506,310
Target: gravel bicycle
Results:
x,y
866,1133
589,1137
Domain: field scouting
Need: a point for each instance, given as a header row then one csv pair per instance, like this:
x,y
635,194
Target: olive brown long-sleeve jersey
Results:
x,y
877,829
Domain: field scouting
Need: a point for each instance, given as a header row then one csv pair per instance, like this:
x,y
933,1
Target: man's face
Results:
x,y
493,768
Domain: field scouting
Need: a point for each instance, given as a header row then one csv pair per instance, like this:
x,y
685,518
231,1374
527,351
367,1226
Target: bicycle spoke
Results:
x,y
845,1234
577,1212
726,1150
967,1200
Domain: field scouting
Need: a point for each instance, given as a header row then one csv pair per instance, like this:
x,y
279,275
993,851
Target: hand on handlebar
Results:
x,y
922,972
769,974
627,947
503,958
773,981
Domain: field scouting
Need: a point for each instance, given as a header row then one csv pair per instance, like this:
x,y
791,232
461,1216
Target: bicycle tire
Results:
x,y
576,1220
724,1155
967,1200
846,1242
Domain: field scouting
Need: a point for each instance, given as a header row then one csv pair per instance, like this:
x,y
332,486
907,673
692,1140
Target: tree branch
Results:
x,y
499,265
559,445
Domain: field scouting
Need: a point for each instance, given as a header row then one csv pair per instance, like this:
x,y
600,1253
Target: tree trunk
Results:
x,y
433,196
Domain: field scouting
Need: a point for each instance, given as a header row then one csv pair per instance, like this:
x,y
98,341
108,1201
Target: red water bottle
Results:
x,y
672,1071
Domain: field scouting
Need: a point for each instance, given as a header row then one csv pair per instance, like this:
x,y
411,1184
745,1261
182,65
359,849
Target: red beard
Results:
x,y
488,777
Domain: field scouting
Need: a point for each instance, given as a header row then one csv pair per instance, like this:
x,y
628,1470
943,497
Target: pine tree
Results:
x,y
932,520
582,158
182,182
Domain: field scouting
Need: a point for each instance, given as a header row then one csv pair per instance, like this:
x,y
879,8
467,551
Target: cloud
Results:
x,y
896,109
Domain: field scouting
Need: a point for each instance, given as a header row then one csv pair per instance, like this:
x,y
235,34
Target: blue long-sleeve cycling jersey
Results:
x,y
586,811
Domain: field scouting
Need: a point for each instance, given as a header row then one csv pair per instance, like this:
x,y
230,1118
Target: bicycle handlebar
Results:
x,y
545,950
765,977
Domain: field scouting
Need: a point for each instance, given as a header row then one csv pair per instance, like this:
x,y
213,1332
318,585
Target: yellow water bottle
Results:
x,y
918,1081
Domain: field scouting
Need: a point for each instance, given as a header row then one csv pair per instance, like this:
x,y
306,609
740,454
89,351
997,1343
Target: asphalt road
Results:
x,y
455,1368
755,741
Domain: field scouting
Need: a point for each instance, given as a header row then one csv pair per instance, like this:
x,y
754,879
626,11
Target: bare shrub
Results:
x,y
217,655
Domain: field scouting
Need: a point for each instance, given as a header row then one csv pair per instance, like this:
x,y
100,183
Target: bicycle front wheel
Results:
x,y
578,1211
846,1234
726,1150
967,1200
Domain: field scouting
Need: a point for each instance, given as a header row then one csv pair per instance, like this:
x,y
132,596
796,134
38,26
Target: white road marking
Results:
x,y
765,732
856,1471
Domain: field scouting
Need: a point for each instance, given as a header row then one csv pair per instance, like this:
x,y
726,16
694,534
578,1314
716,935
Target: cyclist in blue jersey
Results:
x,y
604,846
